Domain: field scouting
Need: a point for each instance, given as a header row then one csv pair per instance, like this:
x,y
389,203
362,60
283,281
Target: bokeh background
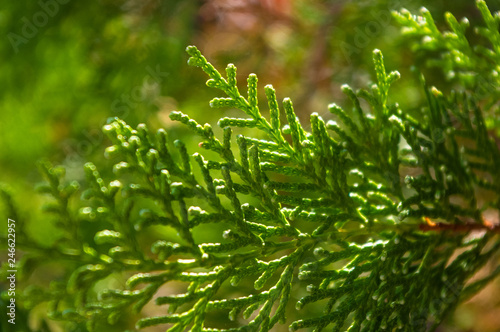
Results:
x,y
66,66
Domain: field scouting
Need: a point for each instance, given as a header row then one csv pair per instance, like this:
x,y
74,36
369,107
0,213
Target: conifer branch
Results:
x,y
321,221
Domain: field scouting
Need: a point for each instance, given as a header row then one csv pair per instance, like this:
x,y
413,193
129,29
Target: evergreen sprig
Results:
x,y
330,219
468,58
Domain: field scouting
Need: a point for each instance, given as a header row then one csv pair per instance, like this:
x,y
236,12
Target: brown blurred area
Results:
x,y
273,39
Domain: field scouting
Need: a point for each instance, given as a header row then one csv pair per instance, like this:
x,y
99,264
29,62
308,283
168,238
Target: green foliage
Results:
x,y
85,50
468,59
318,229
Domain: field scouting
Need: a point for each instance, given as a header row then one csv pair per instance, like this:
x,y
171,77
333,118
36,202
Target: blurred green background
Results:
x,y
66,66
